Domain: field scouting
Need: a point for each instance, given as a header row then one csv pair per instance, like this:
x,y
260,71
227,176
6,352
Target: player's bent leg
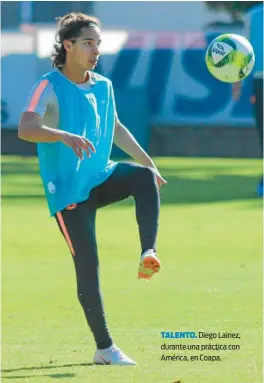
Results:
x,y
129,179
146,195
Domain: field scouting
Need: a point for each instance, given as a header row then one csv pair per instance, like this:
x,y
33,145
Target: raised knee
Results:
x,y
147,175
149,171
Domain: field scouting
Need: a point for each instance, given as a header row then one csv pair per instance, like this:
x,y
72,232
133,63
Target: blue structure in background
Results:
x,y
134,113
198,97
175,81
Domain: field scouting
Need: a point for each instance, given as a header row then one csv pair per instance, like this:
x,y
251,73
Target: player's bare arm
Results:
x,y
127,142
31,129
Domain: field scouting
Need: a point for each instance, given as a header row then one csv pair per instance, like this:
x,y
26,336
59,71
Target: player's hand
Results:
x,y
160,180
78,144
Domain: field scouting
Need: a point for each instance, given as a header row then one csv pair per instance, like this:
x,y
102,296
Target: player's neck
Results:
x,y
77,75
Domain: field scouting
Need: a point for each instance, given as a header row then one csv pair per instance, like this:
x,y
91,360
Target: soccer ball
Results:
x,y
230,58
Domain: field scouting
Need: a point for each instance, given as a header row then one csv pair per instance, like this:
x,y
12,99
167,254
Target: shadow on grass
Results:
x,y
201,183
52,376
45,367
179,190
21,167
35,368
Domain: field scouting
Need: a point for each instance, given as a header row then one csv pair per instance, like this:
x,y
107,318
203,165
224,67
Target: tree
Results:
x,y
235,8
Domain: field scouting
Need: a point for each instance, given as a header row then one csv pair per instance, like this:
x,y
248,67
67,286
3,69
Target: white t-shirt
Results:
x,y
43,100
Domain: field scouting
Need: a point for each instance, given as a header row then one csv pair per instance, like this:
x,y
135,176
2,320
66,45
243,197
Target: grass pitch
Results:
x,y
210,245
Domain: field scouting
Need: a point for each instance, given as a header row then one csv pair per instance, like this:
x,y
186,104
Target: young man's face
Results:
x,y
85,50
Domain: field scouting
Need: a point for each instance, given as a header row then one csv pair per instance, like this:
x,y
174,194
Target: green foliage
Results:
x,y
235,8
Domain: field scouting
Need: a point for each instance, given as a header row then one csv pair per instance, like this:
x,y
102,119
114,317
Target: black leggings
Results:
x,y
77,224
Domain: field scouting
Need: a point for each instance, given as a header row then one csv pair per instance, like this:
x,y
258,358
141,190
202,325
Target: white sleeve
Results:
x,y
40,97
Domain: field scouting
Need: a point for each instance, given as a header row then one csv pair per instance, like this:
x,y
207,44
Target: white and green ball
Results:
x,y
230,58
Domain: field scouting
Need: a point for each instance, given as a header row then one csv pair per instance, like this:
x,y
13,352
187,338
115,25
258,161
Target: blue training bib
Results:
x,y
67,179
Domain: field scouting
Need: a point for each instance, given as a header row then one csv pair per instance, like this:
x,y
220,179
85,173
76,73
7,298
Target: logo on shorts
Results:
x,y
71,207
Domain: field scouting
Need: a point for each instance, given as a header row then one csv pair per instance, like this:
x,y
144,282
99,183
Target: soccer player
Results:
x,y
71,115
254,24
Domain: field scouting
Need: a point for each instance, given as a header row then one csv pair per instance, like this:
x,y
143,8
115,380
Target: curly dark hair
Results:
x,y
69,27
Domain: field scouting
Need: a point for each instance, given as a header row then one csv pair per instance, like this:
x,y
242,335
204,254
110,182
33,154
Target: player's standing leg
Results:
x,y
77,224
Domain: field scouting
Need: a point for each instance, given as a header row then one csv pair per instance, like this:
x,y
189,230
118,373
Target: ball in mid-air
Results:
x,y
230,58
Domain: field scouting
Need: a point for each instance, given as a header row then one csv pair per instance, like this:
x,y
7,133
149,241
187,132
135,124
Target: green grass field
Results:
x,y
210,244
